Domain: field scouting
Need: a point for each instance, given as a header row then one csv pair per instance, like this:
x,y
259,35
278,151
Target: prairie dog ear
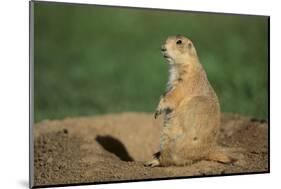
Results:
x,y
189,45
191,49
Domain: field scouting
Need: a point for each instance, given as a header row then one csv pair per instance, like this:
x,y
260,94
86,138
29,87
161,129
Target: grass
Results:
x,y
93,60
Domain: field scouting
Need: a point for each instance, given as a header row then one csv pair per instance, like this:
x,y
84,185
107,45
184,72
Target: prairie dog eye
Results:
x,y
179,42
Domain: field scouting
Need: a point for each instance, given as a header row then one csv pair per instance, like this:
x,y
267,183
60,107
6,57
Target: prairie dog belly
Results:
x,y
171,130
191,123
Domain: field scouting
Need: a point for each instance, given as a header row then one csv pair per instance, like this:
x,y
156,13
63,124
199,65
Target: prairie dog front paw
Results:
x,y
160,108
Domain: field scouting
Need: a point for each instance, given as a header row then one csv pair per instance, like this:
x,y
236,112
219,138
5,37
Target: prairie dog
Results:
x,y
191,110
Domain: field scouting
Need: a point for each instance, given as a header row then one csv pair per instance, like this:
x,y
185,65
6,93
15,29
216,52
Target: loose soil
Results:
x,y
114,147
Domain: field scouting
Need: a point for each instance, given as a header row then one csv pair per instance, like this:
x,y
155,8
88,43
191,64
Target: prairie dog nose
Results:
x,y
163,48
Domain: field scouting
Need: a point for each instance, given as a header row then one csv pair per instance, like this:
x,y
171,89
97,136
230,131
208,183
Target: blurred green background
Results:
x,y
93,60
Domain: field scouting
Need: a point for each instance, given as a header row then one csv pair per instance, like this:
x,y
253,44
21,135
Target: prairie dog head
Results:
x,y
178,50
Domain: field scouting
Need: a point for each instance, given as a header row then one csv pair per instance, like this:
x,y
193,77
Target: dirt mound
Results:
x,y
114,147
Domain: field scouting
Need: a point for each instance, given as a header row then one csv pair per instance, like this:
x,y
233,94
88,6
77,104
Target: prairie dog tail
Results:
x,y
225,155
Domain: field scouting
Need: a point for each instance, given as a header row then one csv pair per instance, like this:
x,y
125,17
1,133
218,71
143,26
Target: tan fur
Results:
x,y
191,110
